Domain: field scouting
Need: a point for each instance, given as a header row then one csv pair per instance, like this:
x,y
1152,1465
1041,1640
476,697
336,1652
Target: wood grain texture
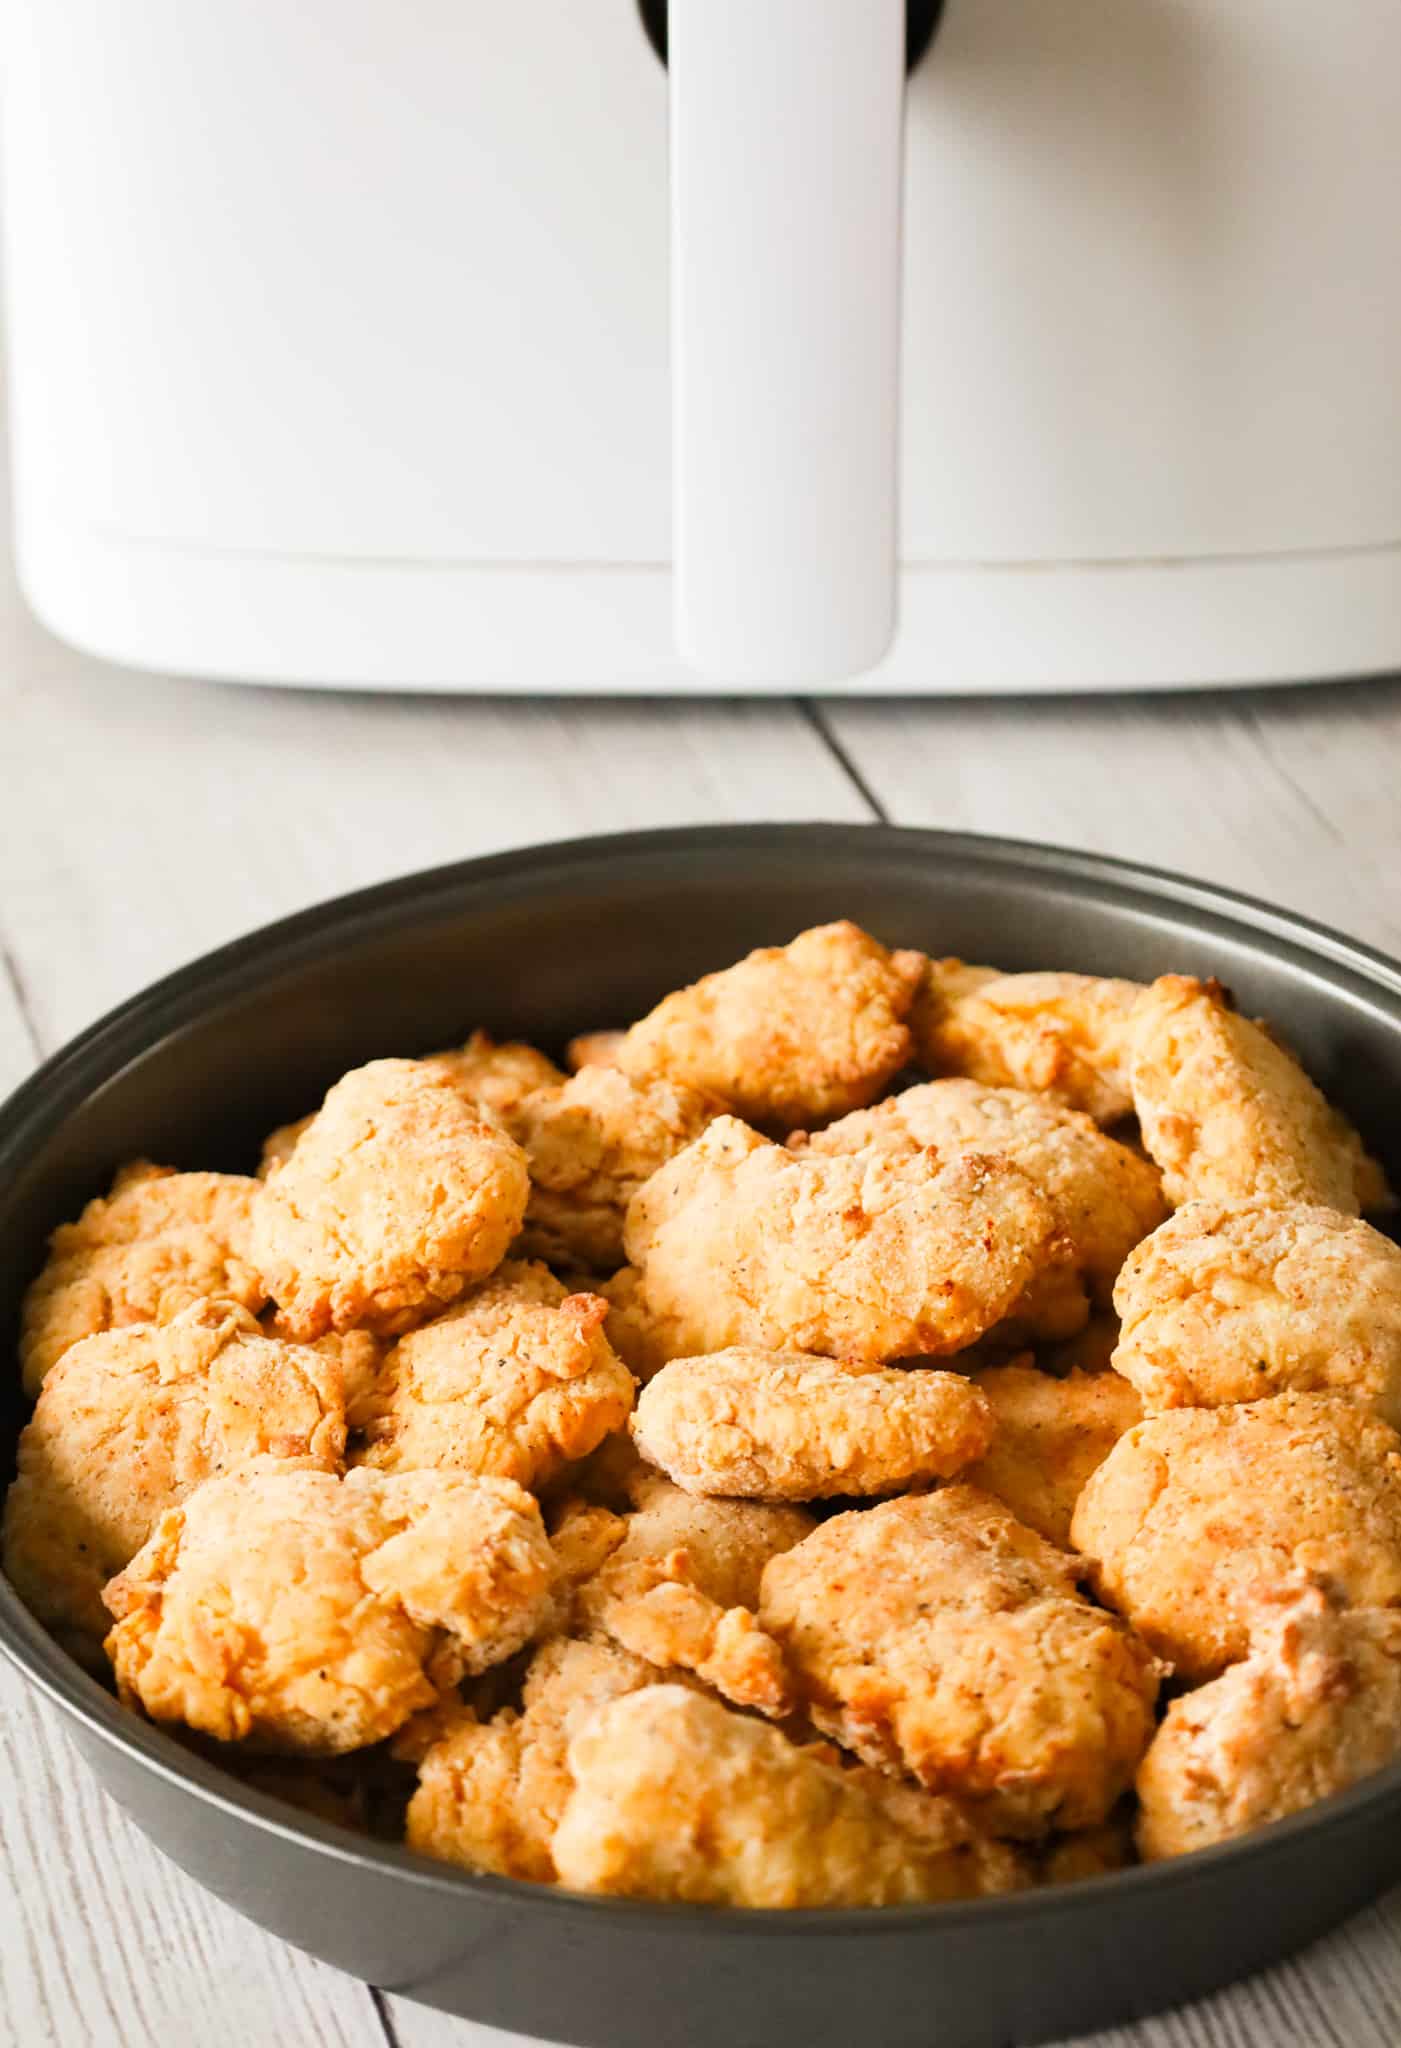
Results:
x,y
1287,794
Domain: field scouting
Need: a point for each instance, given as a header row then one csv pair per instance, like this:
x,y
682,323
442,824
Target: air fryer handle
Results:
x,y
786,158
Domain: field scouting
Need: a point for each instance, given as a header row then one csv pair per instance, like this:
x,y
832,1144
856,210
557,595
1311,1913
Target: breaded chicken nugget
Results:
x,y
1314,1707
516,1380
590,1144
394,1202
1061,1035
608,1476
1105,1197
779,1425
1090,1350
1230,1116
159,1241
593,1049
642,1338
495,1079
304,1612
1231,1302
875,1257
680,1588
940,1636
793,1035
358,1353
492,1079
279,1145
491,1793
677,1798
1197,1514
129,1422
1093,1852
1049,1435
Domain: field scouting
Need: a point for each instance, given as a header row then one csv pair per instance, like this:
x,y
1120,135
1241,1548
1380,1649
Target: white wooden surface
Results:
x,y
145,820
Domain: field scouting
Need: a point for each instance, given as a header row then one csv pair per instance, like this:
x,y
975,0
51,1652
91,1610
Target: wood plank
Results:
x,y
153,819
1287,794
103,1944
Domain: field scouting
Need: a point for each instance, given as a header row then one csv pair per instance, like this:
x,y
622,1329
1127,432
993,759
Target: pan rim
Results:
x,y
67,1077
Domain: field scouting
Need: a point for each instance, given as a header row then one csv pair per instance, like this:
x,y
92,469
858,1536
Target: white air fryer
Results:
x,y
392,342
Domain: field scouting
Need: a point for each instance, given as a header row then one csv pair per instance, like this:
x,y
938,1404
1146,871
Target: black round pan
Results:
x,y
543,943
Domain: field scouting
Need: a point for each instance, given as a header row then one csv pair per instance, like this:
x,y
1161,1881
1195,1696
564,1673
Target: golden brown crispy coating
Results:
x,y
1231,1302
677,1798
608,1476
1062,1035
1198,1514
394,1202
780,1425
940,1636
491,1793
1105,1197
1050,1435
1094,1852
129,1422
642,1338
279,1145
1089,1350
861,1256
359,1354
1229,1115
591,1143
680,1589
495,1079
940,1823
593,1049
1314,1707
793,1035
516,1380
304,1612
159,1241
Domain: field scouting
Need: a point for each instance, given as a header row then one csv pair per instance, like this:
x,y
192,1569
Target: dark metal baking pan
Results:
x,y
557,939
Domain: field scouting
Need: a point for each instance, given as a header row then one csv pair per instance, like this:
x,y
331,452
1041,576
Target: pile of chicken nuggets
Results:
x,y
876,1430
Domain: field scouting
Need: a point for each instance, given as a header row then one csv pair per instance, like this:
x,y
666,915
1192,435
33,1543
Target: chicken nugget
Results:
x,y
495,1079
1235,1301
285,1607
158,1242
1066,1036
590,1144
859,1256
491,1793
1314,1707
680,1588
1230,1116
516,1380
792,1035
939,1636
1049,1435
279,1145
644,1339
128,1423
1105,1197
593,1049
393,1203
1199,1512
675,1797
1093,1852
779,1425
